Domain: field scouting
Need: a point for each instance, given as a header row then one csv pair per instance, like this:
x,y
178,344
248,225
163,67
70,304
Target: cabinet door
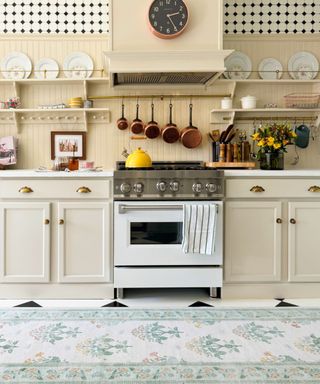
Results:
x,y
84,242
304,241
253,241
24,242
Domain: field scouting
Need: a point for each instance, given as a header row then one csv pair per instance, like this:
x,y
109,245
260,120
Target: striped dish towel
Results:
x,y
199,228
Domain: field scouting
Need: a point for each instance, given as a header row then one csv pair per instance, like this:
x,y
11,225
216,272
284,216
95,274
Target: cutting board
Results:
x,y
224,164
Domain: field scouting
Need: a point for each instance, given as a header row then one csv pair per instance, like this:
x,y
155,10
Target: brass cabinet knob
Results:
x,y
25,189
257,188
293,221
47,222
61,221
83,190
314,188
279,221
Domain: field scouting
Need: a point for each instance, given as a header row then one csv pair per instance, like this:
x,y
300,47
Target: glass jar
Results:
x,y
272,160
73,164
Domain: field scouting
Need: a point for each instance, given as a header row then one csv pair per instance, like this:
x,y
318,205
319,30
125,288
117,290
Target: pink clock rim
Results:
x,y
163,36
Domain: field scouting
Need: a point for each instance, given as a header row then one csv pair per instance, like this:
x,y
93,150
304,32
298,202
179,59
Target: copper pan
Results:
x,y
190,136
137,124
122,123
152,129
170,133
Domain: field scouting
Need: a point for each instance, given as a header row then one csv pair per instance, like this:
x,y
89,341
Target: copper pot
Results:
x,y
152,129
190,136
137,124
122,123
170,133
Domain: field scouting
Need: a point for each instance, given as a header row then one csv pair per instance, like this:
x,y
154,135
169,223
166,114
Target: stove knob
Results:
x,y
138,188
197,187
161,186
211,188
125,188
174,186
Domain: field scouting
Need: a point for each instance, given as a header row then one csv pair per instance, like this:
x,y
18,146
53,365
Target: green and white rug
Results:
x,y
278,345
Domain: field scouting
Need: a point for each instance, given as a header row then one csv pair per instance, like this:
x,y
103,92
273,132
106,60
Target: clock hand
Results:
x,y
174,26
173,14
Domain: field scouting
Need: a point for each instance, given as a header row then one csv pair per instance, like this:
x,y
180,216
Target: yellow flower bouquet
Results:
x,y
272,140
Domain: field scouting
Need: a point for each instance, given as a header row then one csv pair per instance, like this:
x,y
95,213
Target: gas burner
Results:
x,y
168,181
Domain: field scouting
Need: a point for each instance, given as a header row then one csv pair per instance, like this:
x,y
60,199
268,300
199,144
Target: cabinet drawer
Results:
x,y
268,188
55,189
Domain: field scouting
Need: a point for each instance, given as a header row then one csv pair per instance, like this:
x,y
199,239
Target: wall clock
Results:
x,y
168,18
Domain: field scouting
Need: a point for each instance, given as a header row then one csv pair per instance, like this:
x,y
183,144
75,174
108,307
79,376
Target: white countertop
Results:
x,y
31,173
262,173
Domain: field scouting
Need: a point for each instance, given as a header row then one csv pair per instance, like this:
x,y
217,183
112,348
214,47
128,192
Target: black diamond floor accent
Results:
x,y
200,304
285,304
114,304
29,304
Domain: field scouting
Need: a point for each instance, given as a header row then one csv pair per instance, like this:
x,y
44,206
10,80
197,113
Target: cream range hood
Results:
x,y
191,68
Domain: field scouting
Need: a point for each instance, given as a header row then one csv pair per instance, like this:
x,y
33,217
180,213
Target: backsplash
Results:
x,y
271,17
54,17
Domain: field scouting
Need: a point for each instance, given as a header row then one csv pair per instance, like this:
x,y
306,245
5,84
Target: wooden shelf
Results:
x,y
267,110
264,81
63,80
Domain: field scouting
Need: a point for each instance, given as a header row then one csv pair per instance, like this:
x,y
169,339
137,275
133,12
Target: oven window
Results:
x,y
156,233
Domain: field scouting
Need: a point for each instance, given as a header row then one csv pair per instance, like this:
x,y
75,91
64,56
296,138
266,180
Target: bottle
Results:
x,y
222,154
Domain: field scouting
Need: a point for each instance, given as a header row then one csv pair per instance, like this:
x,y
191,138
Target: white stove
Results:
x,y
148,226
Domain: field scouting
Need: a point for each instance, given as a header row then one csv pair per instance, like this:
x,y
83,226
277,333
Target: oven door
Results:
x,y
150,234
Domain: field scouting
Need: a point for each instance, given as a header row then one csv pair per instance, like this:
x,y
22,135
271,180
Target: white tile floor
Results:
x,y
156,298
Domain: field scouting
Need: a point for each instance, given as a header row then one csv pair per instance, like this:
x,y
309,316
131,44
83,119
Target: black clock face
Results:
x,y
168,18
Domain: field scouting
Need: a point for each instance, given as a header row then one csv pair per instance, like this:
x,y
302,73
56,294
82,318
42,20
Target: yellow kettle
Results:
x,y
137,159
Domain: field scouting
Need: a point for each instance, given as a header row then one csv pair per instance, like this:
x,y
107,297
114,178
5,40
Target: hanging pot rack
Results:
x,y
161,97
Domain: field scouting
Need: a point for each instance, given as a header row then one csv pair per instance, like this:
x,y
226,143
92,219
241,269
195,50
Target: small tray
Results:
x,y
224,164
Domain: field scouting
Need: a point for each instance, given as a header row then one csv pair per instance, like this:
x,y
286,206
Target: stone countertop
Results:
x,y
32,173
262,173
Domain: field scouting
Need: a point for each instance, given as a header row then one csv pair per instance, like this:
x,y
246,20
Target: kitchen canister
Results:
x,y
249,102
226,103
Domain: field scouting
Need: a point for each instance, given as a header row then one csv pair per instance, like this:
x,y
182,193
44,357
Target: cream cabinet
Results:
x,y
25,242
253,241
272,230
84,252
304,241
56,237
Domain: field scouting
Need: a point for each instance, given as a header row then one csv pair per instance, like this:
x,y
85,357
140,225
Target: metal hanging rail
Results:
x,y
161,97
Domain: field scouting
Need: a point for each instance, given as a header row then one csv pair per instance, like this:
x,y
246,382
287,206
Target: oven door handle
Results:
x,y
125,208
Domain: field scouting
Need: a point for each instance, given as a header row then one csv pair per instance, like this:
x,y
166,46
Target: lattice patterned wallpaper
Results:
x,y
92,16
54,17
271,16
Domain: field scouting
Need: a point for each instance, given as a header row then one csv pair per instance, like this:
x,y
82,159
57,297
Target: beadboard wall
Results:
x,y
281,48
104,141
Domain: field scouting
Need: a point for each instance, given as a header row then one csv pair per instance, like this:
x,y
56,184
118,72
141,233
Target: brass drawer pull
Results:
x,y
314,188
83,190
47,222
293,221
61,222
25,189
279,221
257,188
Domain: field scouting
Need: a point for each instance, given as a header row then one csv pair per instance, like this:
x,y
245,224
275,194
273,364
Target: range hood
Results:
x,y
195,68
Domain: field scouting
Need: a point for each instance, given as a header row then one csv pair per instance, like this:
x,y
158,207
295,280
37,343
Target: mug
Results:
x,y
88,104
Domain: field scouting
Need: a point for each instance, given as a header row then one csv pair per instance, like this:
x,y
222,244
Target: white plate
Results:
x,y
16,65
49,65
270,69
78,65
238,66
303,66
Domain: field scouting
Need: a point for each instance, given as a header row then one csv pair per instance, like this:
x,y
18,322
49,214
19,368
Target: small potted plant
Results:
x,y
272,140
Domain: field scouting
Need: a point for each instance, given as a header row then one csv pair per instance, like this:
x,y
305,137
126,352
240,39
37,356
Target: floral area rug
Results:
x,y
127,345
